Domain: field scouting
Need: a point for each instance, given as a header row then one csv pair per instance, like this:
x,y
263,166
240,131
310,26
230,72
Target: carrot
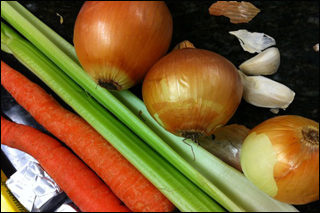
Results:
x,y
74,177
137,192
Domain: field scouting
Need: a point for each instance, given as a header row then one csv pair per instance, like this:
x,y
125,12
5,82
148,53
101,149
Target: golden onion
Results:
x,y
118,41
191,92
281,157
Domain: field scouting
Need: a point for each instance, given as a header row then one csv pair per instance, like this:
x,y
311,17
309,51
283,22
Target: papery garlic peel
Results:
x,y
281,157
253,42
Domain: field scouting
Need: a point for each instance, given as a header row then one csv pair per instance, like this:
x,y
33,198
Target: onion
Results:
x,y
225,144
118,41
191,92
281,157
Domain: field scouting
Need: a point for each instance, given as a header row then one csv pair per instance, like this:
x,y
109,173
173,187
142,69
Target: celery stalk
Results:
x,y
183,193
226,185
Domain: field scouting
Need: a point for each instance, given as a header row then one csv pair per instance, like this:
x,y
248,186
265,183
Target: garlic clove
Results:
x,y
264,92
265,63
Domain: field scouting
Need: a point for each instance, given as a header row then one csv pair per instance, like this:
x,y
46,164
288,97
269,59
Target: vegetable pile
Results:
x,y
120,137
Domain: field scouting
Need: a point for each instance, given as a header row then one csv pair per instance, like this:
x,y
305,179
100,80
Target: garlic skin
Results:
x,y
253,42
265,63
264,92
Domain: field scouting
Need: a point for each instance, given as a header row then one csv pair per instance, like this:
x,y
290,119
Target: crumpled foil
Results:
x,y
32,186
17,158
68,207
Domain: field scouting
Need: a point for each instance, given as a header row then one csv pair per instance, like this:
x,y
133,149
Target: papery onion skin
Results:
x,y
118,41
295,143
192,91
238,12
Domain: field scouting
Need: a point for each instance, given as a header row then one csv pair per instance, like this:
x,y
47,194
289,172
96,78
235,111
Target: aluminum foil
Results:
x,y
16,157
32,186
68,207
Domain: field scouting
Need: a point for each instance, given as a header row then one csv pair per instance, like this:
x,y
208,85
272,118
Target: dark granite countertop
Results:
x,y
293,24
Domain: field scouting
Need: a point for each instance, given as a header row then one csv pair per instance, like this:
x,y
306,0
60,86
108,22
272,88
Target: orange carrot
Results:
x,y
137,192
74,177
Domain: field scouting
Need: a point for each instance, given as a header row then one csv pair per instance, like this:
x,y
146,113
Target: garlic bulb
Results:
x,y
264,92
253,42
265,63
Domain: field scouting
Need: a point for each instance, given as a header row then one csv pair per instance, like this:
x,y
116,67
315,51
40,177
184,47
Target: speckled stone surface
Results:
x,y
293,24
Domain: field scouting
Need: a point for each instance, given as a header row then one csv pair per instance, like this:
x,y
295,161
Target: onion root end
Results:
x,y
109,85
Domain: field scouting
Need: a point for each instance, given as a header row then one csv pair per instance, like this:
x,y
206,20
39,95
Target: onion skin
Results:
x,y
226,144
192,91
118,41
295,142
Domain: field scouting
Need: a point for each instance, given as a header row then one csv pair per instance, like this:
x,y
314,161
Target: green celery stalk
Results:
x,y
181,191
226,185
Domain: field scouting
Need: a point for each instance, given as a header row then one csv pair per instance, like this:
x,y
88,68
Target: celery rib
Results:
x,y
183,193
221,182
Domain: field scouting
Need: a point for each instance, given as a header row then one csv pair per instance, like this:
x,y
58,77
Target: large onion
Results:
x,y
190,92
118,41
281,157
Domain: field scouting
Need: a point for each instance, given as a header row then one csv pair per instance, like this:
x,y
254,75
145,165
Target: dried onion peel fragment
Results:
x,y
238,12
184,44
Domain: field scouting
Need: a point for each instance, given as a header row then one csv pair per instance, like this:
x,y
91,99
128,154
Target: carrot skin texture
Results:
x,y
79,182
138,193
